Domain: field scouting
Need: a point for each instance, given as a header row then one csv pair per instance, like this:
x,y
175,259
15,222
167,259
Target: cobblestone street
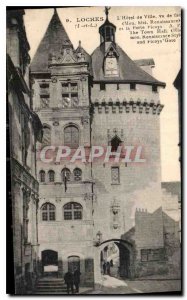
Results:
x,y
112,285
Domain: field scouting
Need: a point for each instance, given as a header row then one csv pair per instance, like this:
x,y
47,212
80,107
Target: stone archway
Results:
x,y
121,260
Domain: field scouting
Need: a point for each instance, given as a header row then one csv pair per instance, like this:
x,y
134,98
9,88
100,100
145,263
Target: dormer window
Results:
x,y
111,64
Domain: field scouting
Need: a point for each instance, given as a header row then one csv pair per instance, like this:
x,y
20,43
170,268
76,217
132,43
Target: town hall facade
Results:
x,y
103,99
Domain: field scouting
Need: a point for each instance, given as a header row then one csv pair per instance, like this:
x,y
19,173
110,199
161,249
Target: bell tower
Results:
x,y
107,30
107,44
126,109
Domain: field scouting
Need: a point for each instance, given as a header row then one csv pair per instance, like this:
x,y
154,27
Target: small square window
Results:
x,y
144,255
44,216
74,95
67,215
74,87
65,87
102,86
115,175
65,95
132,86
77,215
44,85
51,216
155,89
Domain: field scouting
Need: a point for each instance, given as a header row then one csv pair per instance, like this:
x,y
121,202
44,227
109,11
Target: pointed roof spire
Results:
x,y
54,39
107,8
107,22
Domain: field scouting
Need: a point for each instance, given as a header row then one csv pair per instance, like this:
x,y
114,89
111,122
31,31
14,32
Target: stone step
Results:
x,y
50,279
50,283
50,293
51,287
50,290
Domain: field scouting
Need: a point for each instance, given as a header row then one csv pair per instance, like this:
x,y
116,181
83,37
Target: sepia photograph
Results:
x,y
94,103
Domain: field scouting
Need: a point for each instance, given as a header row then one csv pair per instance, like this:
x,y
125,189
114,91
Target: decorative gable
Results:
x,y
111,62
68,56
110,49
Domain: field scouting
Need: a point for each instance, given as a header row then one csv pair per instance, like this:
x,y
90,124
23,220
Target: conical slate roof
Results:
x,y
129,71
55,37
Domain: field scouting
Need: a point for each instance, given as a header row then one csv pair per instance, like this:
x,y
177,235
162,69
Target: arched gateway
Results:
x,y
117,258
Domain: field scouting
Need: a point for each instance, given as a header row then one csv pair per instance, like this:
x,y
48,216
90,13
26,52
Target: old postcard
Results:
x,y
94,143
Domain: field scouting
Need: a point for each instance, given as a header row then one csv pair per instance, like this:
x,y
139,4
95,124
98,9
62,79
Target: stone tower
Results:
x,y
126,105
105,99
60,76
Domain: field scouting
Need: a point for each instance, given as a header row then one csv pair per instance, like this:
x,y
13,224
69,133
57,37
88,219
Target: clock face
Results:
x,y
111,63
111,66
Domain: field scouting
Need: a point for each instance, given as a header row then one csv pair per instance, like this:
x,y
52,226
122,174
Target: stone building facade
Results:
x,y
24,129
103,99
178,85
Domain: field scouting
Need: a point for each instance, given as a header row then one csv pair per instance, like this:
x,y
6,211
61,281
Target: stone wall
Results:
x,y
22,135
139,185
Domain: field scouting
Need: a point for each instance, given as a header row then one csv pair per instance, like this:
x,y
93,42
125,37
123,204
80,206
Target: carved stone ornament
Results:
x,y
115,132
85,120
54,80
87,196
58,199
55,123
90,196
83,78
115,208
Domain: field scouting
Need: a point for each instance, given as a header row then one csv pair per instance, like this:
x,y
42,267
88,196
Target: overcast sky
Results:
x,y
166,57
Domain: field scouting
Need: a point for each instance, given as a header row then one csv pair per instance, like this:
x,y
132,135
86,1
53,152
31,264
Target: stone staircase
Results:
x,y
50,286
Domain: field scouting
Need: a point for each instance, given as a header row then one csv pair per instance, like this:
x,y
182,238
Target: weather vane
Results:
x,y
107,8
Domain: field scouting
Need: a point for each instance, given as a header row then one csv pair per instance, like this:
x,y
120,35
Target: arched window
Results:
x,y
66,173
51,176
115,143
46,140
72,211
48,212
71,136
42,176
77,173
